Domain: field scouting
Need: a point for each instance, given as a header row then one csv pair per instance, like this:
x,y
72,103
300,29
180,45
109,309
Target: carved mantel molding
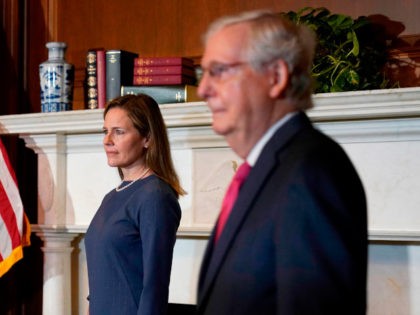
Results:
x,y
379,129
62,140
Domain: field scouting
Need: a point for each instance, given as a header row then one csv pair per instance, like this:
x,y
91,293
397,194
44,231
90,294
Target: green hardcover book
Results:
x,y
164,94
119,71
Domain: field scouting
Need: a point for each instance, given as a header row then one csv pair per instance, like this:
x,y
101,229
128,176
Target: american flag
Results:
x,y
14,225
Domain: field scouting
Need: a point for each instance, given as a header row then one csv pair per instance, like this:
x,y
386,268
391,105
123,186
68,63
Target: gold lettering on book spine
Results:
x,y
143,80
143,71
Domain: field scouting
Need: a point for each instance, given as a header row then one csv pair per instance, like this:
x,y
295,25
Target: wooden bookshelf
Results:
x,y
150,28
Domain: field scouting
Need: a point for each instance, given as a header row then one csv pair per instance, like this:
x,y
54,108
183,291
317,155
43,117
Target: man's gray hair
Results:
x,y
274,37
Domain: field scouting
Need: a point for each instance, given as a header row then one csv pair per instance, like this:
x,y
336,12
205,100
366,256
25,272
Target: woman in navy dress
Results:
x,y
129,243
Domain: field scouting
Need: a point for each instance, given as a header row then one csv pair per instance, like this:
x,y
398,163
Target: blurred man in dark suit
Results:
x,y
295,241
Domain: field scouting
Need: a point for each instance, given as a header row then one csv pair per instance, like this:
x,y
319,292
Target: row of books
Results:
x,y
163,71
111,73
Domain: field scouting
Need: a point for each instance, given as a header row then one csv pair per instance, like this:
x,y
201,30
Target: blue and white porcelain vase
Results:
x,y
56,76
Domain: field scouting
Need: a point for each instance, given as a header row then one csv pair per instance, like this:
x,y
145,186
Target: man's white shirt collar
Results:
x,y
256,150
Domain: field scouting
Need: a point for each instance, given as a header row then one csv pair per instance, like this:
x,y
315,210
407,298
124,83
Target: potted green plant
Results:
x,y
351,53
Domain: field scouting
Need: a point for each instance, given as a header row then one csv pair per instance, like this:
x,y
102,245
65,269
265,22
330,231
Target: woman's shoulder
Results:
x,y
153,186
154,196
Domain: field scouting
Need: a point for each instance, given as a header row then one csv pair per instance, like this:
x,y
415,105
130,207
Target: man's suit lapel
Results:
x,y
215,253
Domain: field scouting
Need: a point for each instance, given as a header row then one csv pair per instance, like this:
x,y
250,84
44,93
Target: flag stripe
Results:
x,y
14,226
12,207
8,219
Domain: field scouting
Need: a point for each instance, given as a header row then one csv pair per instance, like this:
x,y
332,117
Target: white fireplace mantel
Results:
x,y
379,129
73,175
373,104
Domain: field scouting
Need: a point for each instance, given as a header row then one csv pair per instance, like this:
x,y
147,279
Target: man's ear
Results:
x,y
279,78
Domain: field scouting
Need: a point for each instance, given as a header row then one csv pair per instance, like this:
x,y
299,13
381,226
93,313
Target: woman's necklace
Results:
x,y
118,188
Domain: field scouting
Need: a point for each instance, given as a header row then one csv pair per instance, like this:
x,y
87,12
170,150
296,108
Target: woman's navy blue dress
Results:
x,y
129,246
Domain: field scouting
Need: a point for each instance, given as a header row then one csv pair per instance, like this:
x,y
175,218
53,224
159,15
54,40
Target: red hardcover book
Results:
x,y
169,79
101,74
163,61
163,70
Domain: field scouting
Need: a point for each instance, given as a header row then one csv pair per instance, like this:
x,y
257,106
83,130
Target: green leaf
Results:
x,y
356,47
353,78
349,54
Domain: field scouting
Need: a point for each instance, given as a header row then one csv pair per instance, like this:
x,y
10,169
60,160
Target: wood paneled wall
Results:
x,y
160,27
151,28
10,52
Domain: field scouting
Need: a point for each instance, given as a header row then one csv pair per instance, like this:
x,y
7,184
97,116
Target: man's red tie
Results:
x,y
230,197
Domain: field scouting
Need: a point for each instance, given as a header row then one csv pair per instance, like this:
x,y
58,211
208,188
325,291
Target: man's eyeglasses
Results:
x,y
219,70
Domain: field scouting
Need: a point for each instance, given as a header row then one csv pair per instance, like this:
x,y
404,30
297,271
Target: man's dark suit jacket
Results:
x,y
296,240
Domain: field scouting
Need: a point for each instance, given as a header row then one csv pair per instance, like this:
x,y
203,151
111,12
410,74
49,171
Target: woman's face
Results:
x,y
123,144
